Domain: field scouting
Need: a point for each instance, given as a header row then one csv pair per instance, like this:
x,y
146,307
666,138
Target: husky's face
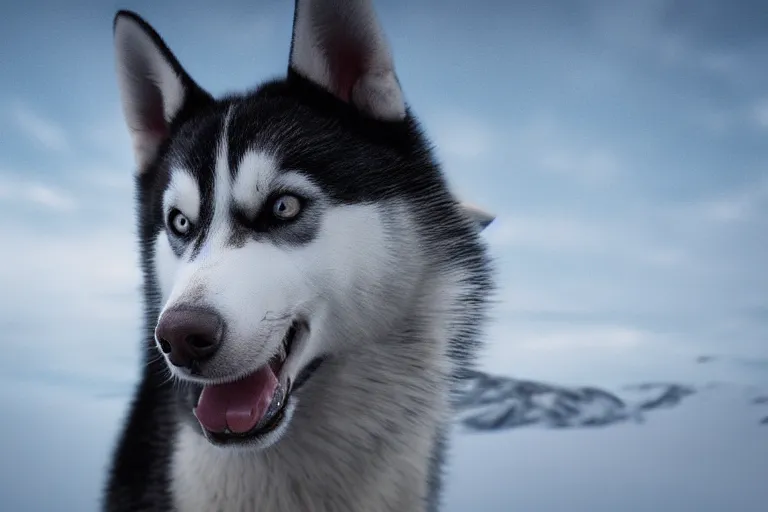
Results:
x,y
274,227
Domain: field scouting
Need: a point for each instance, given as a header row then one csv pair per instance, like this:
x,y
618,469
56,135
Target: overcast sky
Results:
x,y
623,146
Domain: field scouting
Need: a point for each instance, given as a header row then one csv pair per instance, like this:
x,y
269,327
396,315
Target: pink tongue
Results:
x,y
239,405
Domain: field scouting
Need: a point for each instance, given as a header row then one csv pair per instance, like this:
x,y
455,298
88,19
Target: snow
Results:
x,y
56,443
709,454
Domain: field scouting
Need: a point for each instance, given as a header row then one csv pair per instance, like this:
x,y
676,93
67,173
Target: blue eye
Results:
x,y
286,207
179,224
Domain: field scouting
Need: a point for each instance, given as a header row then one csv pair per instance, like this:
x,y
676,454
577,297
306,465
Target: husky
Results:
x,y
312,287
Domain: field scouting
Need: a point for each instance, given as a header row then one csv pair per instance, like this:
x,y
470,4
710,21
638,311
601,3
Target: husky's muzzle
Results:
x,y
249,407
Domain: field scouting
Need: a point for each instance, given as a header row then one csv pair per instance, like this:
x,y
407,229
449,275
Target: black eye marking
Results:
x,y
279,210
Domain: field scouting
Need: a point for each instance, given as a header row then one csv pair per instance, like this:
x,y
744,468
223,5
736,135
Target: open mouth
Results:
x,y
254,406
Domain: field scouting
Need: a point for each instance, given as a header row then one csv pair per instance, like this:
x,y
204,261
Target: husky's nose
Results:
x,y
189,335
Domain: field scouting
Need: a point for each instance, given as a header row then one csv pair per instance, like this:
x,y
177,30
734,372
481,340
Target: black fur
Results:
x,y
353,159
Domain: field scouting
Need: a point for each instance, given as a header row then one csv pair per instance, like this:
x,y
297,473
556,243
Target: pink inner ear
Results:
x,y
347,62
160,132
156,125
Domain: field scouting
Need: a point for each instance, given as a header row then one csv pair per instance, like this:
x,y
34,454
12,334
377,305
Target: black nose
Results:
x,y
189,335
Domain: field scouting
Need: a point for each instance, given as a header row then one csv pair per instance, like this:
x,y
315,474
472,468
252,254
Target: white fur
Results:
x,y
318,465
183,194
222,181
253,181
143,72
321,464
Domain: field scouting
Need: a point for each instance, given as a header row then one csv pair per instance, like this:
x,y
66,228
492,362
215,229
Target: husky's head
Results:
x,y
287,227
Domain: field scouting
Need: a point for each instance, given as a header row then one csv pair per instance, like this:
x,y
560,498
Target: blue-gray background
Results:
x,y
623,146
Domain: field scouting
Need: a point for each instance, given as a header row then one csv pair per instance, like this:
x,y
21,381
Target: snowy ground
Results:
x,y
709,454
705,452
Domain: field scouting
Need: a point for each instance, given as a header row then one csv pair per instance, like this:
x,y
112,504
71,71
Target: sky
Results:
x,y
623,147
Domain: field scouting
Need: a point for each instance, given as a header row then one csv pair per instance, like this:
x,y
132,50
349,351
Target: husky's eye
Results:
x,y
179,223
286,207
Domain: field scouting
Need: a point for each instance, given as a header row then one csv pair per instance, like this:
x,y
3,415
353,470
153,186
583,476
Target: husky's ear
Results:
x,y
154,88
481,218
339,45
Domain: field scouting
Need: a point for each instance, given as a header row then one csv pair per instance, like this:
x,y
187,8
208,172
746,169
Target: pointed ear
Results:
x,y
481,217
154,88
339,45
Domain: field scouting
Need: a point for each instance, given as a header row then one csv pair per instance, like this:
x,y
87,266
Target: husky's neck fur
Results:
x,y
372,445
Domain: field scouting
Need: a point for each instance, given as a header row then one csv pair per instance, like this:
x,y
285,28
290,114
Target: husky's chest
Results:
x,y
208,479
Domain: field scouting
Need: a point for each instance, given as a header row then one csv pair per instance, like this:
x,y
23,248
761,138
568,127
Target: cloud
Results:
x,y
108,136
590,280
578,234
760,113
459,135
69,299
48,197
548,233
74,270
557,146
696,238
740,205
592,337
572,352
43,131
727,210
593,164
35,193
